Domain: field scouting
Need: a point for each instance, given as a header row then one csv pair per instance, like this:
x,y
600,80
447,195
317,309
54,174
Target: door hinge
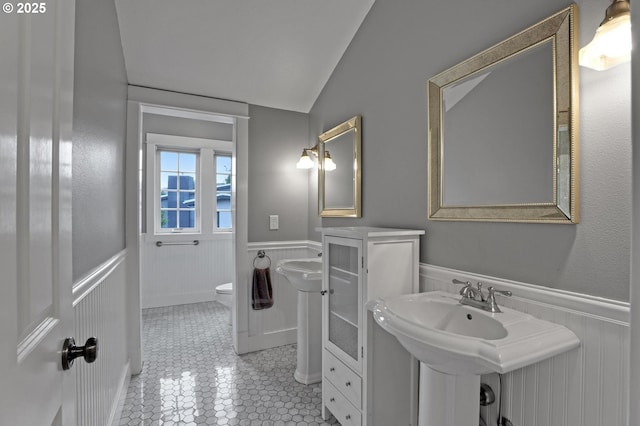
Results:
x,y
362,262
361,351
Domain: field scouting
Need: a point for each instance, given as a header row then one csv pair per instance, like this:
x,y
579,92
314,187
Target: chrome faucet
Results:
x,y
469,292
475,297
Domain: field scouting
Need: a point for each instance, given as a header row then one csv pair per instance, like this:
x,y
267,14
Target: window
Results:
x,y
223,192
178,195
189,179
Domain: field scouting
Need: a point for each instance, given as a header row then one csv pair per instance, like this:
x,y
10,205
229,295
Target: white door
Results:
x,y
36,110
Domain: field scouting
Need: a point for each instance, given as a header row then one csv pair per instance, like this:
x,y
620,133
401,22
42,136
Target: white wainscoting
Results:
x,y
277,325
584,387
100,310
179,274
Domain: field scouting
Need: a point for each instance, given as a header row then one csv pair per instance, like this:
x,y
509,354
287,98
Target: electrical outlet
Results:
x,y
274,220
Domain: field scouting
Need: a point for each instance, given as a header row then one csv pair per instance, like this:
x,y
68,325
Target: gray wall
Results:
x,y
276,139
99,120
383,76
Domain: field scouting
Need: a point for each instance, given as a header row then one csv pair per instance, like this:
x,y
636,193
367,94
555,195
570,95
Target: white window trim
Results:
x,y
206,173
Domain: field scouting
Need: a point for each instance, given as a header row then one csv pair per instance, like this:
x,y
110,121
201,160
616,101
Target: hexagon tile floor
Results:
x,y
192,376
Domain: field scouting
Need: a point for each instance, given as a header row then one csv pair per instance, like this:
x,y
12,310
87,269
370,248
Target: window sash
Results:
x,y
223,211
186,219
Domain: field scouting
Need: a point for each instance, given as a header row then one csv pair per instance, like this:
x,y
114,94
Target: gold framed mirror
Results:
x,y
503,130
340,170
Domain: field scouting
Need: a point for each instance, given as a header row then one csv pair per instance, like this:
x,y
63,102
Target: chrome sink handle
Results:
x,y
492,306
502,292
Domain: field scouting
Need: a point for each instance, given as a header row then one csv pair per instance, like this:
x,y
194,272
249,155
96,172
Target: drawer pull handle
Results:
x,y
348,416
348,384
332,369
332,400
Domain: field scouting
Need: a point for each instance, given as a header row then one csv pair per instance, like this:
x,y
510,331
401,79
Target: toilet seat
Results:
x,y
225,288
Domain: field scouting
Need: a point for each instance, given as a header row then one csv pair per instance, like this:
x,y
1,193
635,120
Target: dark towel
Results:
x,y
262,292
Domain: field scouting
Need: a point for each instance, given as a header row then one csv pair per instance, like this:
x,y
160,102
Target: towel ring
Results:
x,y
261,255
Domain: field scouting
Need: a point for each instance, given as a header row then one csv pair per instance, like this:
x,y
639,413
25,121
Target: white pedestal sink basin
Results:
x,y
456,344
303,274
306,276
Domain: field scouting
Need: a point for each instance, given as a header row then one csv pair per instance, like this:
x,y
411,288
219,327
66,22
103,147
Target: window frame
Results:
x,y
206,187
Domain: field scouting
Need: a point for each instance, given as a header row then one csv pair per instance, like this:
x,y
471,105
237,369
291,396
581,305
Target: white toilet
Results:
x,y
224,295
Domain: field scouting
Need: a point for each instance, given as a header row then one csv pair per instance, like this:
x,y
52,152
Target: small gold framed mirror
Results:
x,y
503,131
340,170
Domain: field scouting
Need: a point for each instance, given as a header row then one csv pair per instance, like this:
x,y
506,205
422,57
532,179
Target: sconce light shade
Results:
x,y
329,165
611,45
305,162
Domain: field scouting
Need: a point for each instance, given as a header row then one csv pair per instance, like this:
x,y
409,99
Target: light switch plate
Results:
x,y
274,220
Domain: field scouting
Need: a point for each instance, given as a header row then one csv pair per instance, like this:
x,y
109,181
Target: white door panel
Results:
x,y
36,83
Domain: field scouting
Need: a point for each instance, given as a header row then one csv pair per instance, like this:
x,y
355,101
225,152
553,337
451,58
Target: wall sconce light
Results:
x,y
328,162
305,161
612,43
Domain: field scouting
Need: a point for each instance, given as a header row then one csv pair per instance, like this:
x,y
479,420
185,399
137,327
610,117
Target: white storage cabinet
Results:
x,y
368,377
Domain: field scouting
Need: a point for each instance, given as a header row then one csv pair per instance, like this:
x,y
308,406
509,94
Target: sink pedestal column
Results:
x,y
309,366
447,399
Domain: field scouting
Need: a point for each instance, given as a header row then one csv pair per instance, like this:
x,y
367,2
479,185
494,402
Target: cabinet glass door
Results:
x,y
344,309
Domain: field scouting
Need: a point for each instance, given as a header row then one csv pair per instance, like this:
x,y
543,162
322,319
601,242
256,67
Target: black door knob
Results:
x,y
70,351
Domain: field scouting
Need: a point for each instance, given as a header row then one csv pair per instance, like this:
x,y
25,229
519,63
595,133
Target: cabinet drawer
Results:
x,y
340,407
343,378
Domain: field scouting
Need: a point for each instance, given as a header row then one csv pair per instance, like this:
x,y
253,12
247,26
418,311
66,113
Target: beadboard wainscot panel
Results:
x,y
100,310
584,387
179,274
277,325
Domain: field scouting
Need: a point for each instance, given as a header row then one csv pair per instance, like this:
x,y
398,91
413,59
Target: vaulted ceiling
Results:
x,y
276,53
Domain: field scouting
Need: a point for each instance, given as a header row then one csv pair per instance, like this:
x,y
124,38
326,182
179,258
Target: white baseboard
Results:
x,y
272,339
121,396
307,379
178,299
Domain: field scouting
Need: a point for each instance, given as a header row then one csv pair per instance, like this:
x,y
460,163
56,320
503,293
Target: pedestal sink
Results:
x,y
306,277
455,344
